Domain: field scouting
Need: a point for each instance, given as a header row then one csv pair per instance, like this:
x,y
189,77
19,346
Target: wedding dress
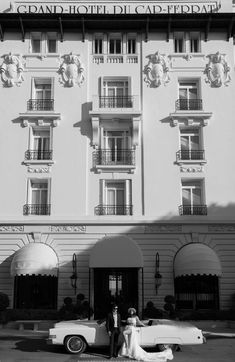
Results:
x,y
133,349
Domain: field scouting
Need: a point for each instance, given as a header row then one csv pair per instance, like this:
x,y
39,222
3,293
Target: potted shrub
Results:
x,y
4,304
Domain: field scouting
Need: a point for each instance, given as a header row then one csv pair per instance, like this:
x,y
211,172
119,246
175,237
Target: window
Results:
x,y
190,148
189,96
51,43
179,43
41,95
115,94
192,198
131,46
43,42
115,45
187,42
116,147
194,40
98,45
36,42
40,144
115,198
197,292
38,197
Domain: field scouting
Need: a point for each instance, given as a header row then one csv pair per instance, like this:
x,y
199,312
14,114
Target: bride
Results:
x,y
131,348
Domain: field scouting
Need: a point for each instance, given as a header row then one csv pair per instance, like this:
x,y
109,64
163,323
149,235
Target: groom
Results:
x,y
113,325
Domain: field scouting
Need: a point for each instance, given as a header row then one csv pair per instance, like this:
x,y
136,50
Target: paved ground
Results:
x,y
29,346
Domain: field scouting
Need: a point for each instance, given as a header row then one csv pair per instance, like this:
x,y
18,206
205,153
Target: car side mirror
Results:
x,y
150,322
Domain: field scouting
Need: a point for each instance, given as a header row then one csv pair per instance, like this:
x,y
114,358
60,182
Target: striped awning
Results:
x,y
35,258
197,259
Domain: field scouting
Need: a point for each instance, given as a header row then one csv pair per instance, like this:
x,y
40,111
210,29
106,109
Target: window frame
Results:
x,y
30,189
114,37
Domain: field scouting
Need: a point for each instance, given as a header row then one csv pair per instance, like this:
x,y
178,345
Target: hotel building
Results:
x,y
117,141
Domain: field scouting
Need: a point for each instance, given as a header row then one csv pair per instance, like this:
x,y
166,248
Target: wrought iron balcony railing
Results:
x,y
114,157
193,210
190,155
37,209
116,102
188,105
113,210
38,155
40,105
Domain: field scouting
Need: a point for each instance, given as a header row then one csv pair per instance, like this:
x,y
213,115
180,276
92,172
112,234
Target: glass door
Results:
x,y
115,286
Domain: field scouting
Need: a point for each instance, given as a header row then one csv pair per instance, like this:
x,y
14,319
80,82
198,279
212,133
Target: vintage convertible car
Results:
x,y
76,335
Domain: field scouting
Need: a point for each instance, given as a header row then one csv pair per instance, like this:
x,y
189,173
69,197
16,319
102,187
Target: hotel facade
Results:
x,y
117,153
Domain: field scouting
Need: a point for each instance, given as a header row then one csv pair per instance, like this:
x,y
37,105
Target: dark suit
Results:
x,y
115,331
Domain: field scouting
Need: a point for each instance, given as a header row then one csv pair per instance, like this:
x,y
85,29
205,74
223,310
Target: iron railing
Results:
x,y
114,157
37,209
38,155
188,105
193,209
116,102
190,155
40,105
113,210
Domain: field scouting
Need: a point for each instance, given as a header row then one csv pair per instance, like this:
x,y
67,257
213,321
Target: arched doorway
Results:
x,y
35,268
197,269
116,263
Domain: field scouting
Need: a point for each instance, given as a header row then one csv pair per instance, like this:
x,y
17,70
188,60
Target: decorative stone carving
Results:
x,y
191,169
156,71
168,228
68,228
12,70
217,70
12,228
71,70
39,170
221,228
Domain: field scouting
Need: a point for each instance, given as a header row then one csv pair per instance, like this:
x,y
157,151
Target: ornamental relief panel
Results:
x,y
157,70
71,70
191,169
11,228
217,70
12,70
68,228
221,228
168,228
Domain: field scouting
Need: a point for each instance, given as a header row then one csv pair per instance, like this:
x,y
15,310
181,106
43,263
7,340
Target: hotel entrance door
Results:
x,y
115,286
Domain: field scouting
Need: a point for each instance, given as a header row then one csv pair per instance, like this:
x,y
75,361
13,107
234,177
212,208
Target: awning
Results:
x,y
35,258
196,258
116,252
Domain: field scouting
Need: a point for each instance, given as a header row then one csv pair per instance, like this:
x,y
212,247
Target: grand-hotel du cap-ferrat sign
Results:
x,y
117,7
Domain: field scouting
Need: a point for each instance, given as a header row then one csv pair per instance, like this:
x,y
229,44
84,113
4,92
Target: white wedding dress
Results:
x,y
134,351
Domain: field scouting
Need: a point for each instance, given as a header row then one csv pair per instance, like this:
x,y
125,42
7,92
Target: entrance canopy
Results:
x,y
194,259
116,252
35,258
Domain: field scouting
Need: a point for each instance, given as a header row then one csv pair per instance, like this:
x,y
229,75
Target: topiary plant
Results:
x,y
4,301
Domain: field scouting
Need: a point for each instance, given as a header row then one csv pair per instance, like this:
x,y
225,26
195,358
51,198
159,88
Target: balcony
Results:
x,y
113,210
32,155
114,159
116,102
193,210
40,105
190,156
188,105
37,209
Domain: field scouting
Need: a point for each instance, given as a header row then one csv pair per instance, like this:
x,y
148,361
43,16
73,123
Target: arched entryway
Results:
x,y
197,270
116,263
35,269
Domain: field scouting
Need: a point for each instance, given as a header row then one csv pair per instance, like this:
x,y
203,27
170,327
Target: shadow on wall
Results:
x,y
82,248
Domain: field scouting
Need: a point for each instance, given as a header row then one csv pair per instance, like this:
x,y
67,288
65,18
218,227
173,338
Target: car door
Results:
x,y
148,335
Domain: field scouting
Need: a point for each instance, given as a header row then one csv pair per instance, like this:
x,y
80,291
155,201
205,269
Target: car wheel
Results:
x,y
163,347
75,344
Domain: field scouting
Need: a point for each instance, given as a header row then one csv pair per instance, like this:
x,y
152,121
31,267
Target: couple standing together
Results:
x,y
130,347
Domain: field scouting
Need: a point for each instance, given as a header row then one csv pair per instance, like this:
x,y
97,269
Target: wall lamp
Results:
x,y
158,276
74,276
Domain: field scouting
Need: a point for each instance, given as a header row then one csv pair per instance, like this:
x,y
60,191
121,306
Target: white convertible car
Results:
x,y
76,335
